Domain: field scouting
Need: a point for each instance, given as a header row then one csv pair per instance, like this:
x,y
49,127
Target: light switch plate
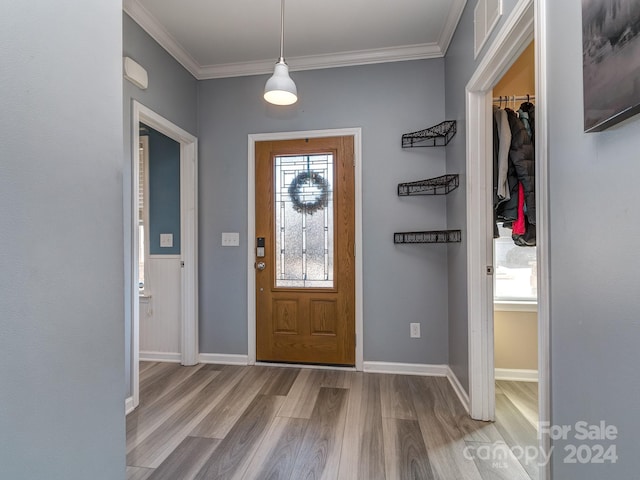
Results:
x,y
415,330
166,240
230,239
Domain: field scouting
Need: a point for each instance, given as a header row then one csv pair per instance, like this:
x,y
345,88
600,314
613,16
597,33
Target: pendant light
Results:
x,y
280,89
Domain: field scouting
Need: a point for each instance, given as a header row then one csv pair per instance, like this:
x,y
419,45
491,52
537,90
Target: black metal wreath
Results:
x,y
297,196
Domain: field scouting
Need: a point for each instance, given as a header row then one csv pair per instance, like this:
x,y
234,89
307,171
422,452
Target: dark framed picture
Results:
x,y
611,62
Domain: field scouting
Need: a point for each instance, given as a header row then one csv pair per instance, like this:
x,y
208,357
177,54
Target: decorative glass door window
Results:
x,y
304,230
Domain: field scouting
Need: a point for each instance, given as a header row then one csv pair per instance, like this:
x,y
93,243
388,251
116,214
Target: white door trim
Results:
x,y
528,19
189,239
251,228
542,230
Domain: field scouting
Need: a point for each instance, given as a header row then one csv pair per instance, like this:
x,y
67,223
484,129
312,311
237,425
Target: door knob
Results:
x,y
261,265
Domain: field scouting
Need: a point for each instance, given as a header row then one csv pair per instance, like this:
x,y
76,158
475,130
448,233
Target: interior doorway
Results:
x,y
524,23
159,262
356,136
515,261
187,258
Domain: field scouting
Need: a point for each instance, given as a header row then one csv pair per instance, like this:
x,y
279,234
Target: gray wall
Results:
x,y
595,286
459,67
172,93
402,284
61,281
594,261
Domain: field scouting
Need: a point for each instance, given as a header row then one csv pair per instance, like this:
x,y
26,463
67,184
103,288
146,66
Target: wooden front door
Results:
x,y
305,269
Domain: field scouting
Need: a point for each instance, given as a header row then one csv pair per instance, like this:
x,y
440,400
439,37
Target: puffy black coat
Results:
x,y
522,157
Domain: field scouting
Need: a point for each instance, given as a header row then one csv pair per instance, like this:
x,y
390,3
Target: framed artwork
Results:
x,y
611,62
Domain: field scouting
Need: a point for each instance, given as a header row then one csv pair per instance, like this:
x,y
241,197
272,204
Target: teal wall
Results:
x,y
164,192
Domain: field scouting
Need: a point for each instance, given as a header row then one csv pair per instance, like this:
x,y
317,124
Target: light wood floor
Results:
x,y
517,419
259,422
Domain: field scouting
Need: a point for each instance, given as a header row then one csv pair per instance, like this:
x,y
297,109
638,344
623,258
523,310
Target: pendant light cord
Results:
x,y
281,32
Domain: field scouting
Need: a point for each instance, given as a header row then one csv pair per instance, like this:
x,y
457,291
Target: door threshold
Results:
x,y
307,365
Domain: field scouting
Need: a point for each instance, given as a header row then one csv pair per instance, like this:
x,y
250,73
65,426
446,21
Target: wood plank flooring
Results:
x,y
259,422
517,422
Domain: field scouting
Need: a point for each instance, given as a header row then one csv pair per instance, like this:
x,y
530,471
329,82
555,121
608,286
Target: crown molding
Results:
x,y
332,60
154,28
313,62
449,28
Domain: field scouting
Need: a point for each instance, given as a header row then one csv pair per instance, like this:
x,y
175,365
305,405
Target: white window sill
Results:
x,y
515,306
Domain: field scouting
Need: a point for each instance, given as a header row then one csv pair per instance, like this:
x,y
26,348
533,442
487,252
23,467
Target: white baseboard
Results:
x,y
516,375
424,370
226,359
457,387
128,405
160,357
406,368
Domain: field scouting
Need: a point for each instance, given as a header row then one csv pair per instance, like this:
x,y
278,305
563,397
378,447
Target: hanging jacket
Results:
x,y
507,210
521,155
501,122
496,151
529,109
519,226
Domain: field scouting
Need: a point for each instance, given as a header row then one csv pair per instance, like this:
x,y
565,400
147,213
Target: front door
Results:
x,y
305,261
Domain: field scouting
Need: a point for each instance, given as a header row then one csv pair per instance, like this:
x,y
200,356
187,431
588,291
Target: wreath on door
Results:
x,y
298,200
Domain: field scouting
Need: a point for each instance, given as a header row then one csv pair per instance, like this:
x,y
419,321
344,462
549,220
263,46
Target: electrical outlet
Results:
x,y
415,330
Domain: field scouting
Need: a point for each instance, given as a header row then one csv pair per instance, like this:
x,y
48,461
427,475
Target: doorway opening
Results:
x,y
525,22
322,307
515,260
185,259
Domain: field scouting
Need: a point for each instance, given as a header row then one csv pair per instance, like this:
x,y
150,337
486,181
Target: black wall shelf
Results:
x,y
432,186
436,236
436,136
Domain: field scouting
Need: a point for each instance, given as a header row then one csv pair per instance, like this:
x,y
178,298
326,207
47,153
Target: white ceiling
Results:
x,y
226,38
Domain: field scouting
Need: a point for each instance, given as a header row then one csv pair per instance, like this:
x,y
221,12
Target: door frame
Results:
x,y
527,20
188,240
356,133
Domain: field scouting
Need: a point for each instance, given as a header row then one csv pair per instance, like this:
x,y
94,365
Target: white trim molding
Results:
x,y
406,369
421,369
449,28
542,229
154,28
224,358
458,388
527,19
356,132
315,62
516,375
150,24
128,405
513,38
514,306
169,357
188,230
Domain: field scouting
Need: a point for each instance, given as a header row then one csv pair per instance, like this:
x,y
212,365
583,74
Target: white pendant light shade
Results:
x,y
280,89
